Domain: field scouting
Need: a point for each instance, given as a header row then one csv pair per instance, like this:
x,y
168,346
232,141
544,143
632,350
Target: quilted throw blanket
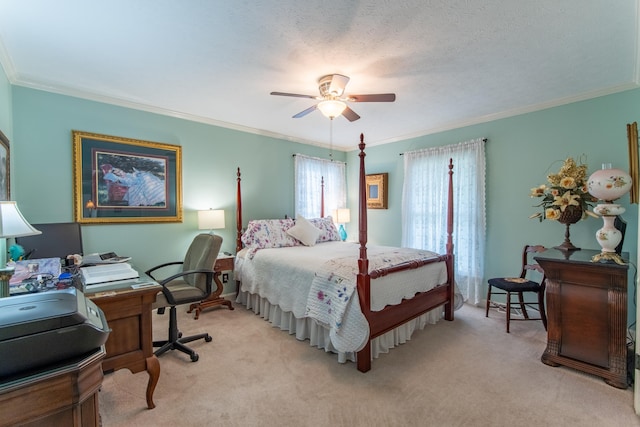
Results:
x,y
334,283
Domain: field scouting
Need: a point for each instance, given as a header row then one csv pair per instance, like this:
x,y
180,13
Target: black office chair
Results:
x,y
517,286
192,284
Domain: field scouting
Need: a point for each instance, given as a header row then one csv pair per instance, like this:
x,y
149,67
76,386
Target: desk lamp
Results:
x,y
211,219
342,216
12,224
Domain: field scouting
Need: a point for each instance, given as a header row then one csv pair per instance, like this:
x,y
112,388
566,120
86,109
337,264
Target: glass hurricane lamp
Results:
x,y
609,184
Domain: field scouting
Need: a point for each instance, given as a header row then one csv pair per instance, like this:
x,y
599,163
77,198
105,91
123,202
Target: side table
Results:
x,y
223,263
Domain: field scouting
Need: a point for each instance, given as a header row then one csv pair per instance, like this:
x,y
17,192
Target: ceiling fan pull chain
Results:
x,y
331,139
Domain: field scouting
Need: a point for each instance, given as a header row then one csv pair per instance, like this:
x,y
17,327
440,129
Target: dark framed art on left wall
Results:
x,y
5,168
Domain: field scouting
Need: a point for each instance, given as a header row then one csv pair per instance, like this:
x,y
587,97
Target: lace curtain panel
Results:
x,y
309,172
424,208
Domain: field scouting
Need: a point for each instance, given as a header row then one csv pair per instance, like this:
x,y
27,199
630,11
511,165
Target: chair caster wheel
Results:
x,y
208,338
194,357
179,335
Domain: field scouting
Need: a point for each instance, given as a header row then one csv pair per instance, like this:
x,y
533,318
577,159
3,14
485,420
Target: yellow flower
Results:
x,y
567,199
538,191
551,213
568,182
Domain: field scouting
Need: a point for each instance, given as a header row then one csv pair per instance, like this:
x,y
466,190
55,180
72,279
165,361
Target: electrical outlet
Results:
x,y
225,277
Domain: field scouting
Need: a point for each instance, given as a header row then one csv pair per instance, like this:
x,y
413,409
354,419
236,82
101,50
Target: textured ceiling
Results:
x,y
450,62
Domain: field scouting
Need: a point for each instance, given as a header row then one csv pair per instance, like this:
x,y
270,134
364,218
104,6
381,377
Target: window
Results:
x,y
424,207
309,174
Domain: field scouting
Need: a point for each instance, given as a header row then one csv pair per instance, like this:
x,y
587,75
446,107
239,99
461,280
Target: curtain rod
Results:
x,y
483,140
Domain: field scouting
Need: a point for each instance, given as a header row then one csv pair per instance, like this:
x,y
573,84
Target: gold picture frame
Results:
x,y
632,136
124,180
5,168
377,191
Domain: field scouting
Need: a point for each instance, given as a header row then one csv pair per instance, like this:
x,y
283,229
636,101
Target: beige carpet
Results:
x,y
463,373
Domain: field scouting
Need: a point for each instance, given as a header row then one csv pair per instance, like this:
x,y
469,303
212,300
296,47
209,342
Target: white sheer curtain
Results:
x,y
309,172
424,207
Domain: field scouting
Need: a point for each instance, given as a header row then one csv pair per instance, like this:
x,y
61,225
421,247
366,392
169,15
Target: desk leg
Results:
x,y
153,369
213,300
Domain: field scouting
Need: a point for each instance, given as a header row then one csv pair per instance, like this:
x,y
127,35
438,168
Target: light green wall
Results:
x,y
5,105
520,152
6,109
43,171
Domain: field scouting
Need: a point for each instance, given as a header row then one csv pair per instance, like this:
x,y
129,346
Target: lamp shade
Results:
x,y
211,219
609,184
12,223
343,216
332,108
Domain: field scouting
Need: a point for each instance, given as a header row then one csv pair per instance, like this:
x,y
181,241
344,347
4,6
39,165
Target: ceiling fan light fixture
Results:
x,y
331,108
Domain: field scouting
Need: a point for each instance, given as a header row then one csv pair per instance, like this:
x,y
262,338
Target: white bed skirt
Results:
x,y
318,335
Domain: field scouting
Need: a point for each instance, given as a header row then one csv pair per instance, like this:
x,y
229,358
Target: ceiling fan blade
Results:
x,y
296,95
379,97
350,115
305,112
338,83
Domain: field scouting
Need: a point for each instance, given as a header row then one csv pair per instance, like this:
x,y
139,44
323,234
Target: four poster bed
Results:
x,y
343,297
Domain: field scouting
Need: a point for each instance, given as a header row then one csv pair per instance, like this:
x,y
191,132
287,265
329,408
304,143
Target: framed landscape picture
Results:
x,y
122,180
5,175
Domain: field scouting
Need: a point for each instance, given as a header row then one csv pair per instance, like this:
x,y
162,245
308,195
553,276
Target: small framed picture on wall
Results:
x,y
377,190
5,175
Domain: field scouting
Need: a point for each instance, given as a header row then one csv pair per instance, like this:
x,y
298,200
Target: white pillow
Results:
x,y
304,231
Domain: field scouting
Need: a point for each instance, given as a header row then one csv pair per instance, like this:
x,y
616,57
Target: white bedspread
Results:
x,y
284,276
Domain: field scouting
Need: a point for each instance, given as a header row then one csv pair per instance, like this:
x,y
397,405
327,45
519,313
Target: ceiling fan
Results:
x,y
333,100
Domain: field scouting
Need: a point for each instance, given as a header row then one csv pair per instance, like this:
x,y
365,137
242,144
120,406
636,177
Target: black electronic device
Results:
x,y
47,328
56,241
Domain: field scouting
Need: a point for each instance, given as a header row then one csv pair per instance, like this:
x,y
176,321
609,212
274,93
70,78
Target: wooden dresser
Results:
x,y
586,314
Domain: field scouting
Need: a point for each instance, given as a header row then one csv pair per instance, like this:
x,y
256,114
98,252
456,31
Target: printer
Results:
x,y
48,328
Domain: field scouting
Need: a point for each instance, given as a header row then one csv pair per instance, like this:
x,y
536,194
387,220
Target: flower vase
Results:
x,y
570,215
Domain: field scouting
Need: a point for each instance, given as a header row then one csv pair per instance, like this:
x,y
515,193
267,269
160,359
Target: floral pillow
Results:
x,y
269,233
328,230
304,231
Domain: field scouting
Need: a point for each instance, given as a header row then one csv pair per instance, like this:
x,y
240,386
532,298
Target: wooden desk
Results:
x,y
63,395
586,314
224,263
130,343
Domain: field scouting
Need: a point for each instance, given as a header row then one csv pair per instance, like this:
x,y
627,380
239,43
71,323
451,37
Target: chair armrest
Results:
x,y
167,294
157,267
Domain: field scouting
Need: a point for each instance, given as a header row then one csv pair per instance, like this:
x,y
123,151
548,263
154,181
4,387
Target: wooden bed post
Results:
x,y
448,308
363,278
238,216
322,197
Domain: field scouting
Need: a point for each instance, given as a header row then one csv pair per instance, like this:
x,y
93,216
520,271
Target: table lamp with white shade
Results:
x,y
342,216
12,224
211,219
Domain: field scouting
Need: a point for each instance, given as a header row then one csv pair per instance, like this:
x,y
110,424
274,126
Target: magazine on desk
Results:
x,y
45,268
